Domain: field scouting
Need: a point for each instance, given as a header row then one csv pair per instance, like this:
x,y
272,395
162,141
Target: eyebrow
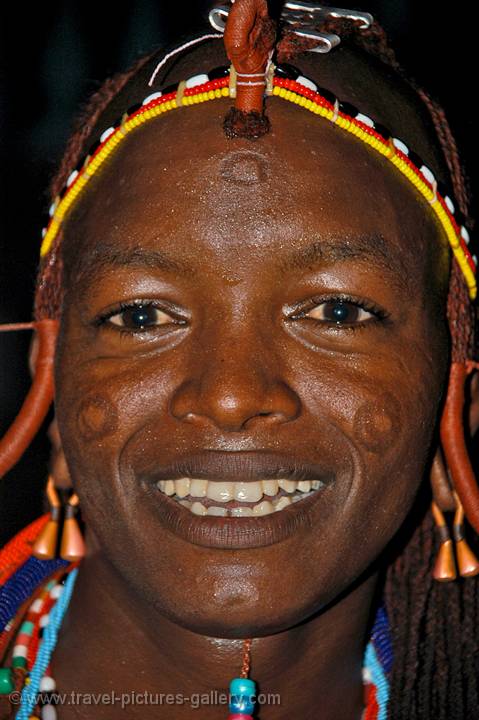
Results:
x,y
373,249
108,256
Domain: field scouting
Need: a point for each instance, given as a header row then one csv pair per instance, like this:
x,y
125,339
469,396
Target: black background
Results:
x,y
53,55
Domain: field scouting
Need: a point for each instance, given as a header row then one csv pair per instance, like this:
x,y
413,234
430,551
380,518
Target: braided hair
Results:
x,y
436,653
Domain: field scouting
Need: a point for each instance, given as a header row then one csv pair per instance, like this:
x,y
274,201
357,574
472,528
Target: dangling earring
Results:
x,y
72,546
467,562
45,545
445,567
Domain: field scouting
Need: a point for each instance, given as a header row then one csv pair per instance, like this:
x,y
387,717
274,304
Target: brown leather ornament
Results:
x,y
249,41
35,406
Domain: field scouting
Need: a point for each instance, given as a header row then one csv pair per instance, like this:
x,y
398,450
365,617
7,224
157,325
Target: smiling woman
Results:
x,y
254,344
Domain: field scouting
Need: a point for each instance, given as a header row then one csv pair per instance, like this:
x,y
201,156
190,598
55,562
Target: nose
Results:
x,y
234,390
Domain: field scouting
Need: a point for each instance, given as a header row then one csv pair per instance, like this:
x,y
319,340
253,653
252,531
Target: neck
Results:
x,y
112,641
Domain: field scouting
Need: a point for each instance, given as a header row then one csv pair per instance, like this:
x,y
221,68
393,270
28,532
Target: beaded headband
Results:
x,y
286,82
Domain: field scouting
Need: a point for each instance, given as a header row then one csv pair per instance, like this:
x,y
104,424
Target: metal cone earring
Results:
x,y
44,547
72,546
467,562
445,566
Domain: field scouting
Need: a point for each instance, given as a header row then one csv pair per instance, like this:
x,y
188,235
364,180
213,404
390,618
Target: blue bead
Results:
x,y
242,692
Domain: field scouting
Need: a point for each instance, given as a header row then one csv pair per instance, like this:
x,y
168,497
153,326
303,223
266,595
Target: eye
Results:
x,y
339,312
139,317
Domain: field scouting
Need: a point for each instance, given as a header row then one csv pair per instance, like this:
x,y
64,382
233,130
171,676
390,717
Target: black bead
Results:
x,y
170,89
133,108
219,72
94,148
348,109
442,189
415,159
383,131
327,95
287,71
459,217
80,165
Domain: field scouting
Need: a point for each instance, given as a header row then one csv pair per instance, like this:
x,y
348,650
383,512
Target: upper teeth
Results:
x,y
222,492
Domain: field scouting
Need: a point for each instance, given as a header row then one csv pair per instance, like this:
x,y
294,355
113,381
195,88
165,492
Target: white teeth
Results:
x,y
214,510
304,485
270,487
241,512
221,491
281,503
182,487
198,487
198,509
288,485
248,491
263,508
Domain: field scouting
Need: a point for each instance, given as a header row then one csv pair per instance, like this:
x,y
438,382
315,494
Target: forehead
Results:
x,y
178,183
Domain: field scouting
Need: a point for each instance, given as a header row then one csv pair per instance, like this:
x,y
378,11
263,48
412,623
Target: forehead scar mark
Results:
x,y
376,423
244,167
97,418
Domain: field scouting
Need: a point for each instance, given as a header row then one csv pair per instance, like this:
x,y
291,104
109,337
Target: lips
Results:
x,y
236,499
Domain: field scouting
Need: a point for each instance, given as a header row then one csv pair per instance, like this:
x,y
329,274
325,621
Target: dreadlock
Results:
x,y
436,653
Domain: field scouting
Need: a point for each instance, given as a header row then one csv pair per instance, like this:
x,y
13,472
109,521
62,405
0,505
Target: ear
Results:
x,y
58,465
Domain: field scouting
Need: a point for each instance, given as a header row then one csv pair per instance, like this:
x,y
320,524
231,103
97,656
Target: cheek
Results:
x,y
97,418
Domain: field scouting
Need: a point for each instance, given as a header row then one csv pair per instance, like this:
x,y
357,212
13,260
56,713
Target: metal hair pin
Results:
x,y
303,17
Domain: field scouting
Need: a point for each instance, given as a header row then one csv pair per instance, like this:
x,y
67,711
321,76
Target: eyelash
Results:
x,y
379,314
102,320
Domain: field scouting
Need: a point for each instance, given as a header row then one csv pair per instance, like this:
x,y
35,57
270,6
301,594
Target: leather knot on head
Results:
x,y
249,38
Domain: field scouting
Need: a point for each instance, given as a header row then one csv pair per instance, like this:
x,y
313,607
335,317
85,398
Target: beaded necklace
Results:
x,y
34,596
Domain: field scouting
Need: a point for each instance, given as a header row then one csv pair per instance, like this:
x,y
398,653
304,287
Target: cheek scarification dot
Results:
x,y
376,423
97,418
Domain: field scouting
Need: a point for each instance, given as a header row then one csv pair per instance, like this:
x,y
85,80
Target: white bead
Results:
x,y
450,205
106,134
56,591
44,620
306,82
465,235
197,80
47,684
428,174
72,177
44,232
364,119
474,257
52,209
401,146
20,651
150,98
49,712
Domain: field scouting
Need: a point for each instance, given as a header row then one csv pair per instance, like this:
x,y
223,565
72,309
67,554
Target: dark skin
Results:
x,y
242,360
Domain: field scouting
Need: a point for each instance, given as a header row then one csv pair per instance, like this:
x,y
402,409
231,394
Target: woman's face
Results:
x,y
292,328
